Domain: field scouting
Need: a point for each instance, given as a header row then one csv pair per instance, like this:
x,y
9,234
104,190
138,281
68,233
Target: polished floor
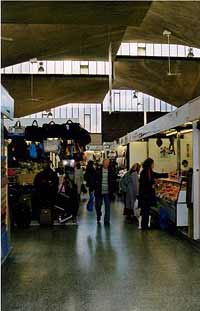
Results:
x,y
93,268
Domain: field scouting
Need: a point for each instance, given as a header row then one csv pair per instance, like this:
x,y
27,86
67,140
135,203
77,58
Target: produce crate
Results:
x,y
25,179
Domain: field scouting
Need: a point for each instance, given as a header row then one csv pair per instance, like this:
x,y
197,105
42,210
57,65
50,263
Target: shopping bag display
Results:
x,y
51,130
51,146
16,130
34,132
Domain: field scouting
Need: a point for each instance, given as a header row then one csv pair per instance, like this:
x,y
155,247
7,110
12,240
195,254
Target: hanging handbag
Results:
x,y
34,132
51,130
16,130
33,151
66,130
51,146
84,137
67,151
18,149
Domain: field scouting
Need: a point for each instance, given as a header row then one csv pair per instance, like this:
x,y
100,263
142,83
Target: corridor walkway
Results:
x,y
92,268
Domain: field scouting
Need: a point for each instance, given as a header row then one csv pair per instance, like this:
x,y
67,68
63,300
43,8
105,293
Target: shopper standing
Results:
x,y
78,178
147,196
105,187
132,189
71,191
123,185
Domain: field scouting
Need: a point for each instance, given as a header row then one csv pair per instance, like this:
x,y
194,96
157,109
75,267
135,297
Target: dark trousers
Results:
x,y
145,212
99,201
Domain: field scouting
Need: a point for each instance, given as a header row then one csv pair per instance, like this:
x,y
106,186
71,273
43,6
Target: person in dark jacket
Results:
x,y
46,185
105,187
89,176
147,196
71,191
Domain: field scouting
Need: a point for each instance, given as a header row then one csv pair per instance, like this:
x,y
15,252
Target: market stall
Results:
x,y
30,150
171,140
7,110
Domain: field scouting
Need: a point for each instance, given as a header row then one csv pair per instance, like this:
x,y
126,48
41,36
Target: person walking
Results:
x,y
132,190
89,176
105,186
147,196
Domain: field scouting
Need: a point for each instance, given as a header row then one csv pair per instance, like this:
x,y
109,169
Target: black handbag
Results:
x,y
18,148
66,130
51,130
84,137
34,132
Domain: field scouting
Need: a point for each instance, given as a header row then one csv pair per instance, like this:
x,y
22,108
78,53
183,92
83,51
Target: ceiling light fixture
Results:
x,y
190,53
167,33
50,115
41,67
135,94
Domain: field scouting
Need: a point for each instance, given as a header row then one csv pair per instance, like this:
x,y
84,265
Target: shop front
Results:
x,y
173,142
7,110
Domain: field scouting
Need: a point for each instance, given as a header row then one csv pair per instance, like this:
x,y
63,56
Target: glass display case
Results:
x,y
171,195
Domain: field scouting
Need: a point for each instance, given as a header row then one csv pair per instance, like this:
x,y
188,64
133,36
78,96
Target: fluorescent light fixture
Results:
x,y
171,133
186,131
188,123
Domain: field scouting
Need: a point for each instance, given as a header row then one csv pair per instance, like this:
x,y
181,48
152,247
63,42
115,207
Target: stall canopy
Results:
x,y
188,113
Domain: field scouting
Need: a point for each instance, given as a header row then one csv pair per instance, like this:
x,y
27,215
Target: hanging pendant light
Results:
x,y
41,67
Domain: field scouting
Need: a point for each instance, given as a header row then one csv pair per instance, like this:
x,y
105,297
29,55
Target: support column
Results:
x,y
145,117
110,76
178,154
196,181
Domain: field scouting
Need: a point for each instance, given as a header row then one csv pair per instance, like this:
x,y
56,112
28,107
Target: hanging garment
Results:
x,y
33,151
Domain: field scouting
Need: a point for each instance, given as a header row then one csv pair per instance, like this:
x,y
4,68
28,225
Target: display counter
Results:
x,y
171,197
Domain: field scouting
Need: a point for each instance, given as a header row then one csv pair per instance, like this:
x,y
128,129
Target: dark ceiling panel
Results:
x,y
52,91
121,13
150,75
179,17
65,29
118,124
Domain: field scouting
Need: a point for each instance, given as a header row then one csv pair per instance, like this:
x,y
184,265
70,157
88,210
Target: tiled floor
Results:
x,y
92,268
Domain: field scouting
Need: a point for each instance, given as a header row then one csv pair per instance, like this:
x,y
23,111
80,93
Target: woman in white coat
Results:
x,y
78,178
132,189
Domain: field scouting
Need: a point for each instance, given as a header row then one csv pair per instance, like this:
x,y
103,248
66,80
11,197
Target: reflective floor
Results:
x,y
93,268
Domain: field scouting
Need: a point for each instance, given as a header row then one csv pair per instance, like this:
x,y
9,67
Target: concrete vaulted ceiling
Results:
x,y
53,91
179,17
66,29
150,75
84,30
